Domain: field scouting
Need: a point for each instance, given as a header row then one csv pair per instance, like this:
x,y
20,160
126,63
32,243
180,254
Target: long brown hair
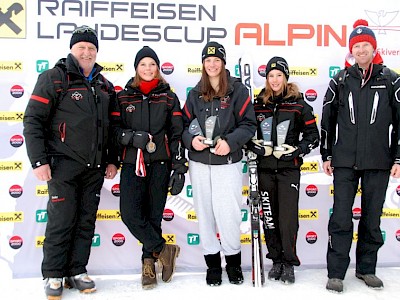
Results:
x,y
206,89
137,79
290,90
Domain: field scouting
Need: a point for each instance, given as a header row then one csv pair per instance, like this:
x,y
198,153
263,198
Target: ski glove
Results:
x,y
258,148
140,139
181,167
176,183
126,137
288,154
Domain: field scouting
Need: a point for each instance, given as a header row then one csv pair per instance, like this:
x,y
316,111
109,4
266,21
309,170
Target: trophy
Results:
x,y
194,128
266,129
210,125
281,132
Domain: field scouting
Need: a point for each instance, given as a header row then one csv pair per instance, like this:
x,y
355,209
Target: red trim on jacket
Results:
x,y
310,122
187,112
40,99
244,106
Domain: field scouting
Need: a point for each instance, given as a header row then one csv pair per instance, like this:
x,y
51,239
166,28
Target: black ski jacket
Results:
x,y
357,120
158,113
68,115
302,131
235,123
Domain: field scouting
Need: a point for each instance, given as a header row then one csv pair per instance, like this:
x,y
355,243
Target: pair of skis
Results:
x,y
253,199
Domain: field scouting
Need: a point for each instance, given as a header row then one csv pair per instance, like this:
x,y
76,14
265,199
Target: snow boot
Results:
x,y
276,271
335,285
81,282
233,268
166,260
371,280
149,279
53,288
214,271
287,276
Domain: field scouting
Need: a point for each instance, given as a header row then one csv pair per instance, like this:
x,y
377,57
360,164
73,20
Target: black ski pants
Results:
x,y
142,203
279,190
373,192
74,196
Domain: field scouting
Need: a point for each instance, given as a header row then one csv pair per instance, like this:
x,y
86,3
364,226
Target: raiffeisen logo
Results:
x,y
108,215
391,213
320,35
191,215
114,67
12,217
308,214
169,22
13,19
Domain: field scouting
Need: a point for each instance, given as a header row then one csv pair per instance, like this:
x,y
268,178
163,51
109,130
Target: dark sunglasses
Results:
x,y
83,29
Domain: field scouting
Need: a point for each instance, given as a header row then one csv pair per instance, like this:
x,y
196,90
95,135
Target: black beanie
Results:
x,y
84,34
146,51
277,63
213,49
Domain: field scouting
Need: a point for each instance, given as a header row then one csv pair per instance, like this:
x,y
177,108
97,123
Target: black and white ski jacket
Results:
x,y
358,117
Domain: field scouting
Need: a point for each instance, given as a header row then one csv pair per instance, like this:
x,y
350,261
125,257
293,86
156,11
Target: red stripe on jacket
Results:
x,y
244,106
40,99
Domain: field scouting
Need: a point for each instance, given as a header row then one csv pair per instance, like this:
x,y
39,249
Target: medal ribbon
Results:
x,y
140,166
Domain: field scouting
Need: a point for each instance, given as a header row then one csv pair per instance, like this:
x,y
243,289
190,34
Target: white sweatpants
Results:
x,y
217,197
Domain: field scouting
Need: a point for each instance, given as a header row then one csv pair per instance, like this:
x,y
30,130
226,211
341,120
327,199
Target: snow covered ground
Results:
x,y
310,284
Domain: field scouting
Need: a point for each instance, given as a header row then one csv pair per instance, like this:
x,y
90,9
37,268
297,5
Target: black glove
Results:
x,y
126,137
140,139
288,154
257,147
180,165
176,183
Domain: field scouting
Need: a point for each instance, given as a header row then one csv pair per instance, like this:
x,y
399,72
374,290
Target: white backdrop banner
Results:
x,y
311,35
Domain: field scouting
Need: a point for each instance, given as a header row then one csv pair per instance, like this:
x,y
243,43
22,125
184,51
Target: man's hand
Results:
x,y
111,171
43,173
328,169
395,171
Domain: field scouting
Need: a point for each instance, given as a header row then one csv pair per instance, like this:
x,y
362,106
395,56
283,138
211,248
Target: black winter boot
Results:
x,y
234,269
214,271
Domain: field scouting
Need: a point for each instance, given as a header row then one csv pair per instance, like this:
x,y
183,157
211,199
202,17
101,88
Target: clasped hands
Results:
x,y
258,147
